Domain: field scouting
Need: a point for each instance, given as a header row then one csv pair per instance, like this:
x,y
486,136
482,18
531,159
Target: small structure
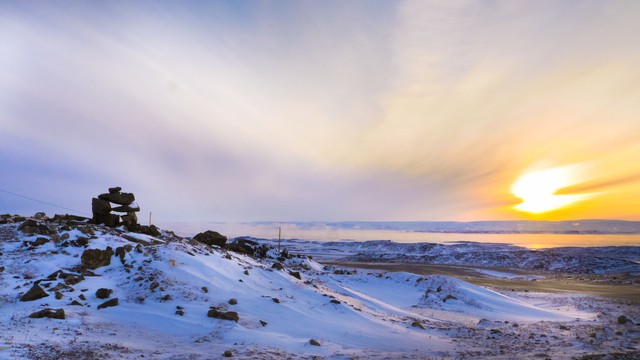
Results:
x,y
102,209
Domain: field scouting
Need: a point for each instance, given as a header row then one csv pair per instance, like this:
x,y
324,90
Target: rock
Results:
x,y
130,219
75,303
417,324
108,303
100,207
263,323
154,285
118,198
233,302
227,353
71,279
211,238
115,190
622,319
59,295
314,342
48,313
112,220
82,297
96,258
180,312
295,274
276,300
334,301
277,266
205,289
31,227
39,241
103,293
131,208
223,315
40,216
35,293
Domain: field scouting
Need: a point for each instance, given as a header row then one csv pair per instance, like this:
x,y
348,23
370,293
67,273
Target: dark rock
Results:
x,y
263,323
75,303
82,297
277,266
31,227
35,293
80,241
167,297
417,324
130,220
211,238
147,230
295,274
112,220
59,295
95,258
154,285
233,302
131,208
39,241
228,353
100,207
2,268
71,279
622,319
205,289
49,313
223,315
334,301
314,342
120,253
115,190
108,303
180,312
118,198
276,300
103,293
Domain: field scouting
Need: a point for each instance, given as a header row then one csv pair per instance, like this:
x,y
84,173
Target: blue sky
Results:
x,y
368,110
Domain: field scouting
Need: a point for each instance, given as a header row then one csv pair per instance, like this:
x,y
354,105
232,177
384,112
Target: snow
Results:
x,y
350,313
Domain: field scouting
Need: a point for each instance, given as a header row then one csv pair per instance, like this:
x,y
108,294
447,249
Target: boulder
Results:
x,y
211,238
223,315
39,241
118,198
48,313
100,207
108,303
96,258
31,227
35,293
130,219
314,342
103,293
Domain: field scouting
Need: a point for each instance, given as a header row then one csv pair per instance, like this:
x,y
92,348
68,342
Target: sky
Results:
x,y
323,110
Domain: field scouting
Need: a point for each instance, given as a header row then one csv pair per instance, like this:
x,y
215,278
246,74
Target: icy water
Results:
x,y
292,231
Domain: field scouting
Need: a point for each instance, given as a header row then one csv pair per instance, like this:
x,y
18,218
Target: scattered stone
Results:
x,y
166,298
314,342
180,312
75,303
205,289
233,302
295,274
212,238
263,323
277,266
246,272
82,297
223,315
96,258
31,227
103,293
71,279
35,293
335,301
2,268
276,300
622,319
227,353
154,285
108,303
49,313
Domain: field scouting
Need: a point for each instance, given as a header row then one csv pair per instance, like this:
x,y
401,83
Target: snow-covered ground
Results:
x,y
270,307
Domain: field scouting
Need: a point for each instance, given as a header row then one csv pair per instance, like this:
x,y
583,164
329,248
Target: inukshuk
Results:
x,y
101,207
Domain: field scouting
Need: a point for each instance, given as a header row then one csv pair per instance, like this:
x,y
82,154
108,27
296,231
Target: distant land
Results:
x,y
495,227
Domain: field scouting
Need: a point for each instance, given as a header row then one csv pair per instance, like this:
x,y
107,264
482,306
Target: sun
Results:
x,y
538,189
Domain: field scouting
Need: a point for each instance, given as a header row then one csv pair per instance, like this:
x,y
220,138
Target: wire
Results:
x,y
42,201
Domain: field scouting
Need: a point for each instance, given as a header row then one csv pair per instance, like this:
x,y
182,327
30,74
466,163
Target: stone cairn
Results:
x,y
101,207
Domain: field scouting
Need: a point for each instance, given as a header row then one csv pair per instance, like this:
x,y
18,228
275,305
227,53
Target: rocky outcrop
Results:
x,y
32,227
96,258
211,238
217,313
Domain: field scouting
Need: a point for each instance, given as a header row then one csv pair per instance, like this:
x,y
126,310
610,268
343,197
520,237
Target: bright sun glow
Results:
x,y
538,189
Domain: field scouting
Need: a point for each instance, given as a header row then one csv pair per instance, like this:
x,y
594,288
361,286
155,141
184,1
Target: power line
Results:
x,y
42,202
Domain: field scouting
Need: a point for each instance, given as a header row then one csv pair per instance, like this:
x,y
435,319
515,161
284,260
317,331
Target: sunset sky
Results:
x,y
324,110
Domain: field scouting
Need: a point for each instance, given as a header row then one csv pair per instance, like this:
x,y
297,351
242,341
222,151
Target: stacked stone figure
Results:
x,y
101,207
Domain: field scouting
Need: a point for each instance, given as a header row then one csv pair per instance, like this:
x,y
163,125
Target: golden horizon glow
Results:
x,y
538,189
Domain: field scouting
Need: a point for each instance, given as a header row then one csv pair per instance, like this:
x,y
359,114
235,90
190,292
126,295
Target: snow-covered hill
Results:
x,y
595,260
70,289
